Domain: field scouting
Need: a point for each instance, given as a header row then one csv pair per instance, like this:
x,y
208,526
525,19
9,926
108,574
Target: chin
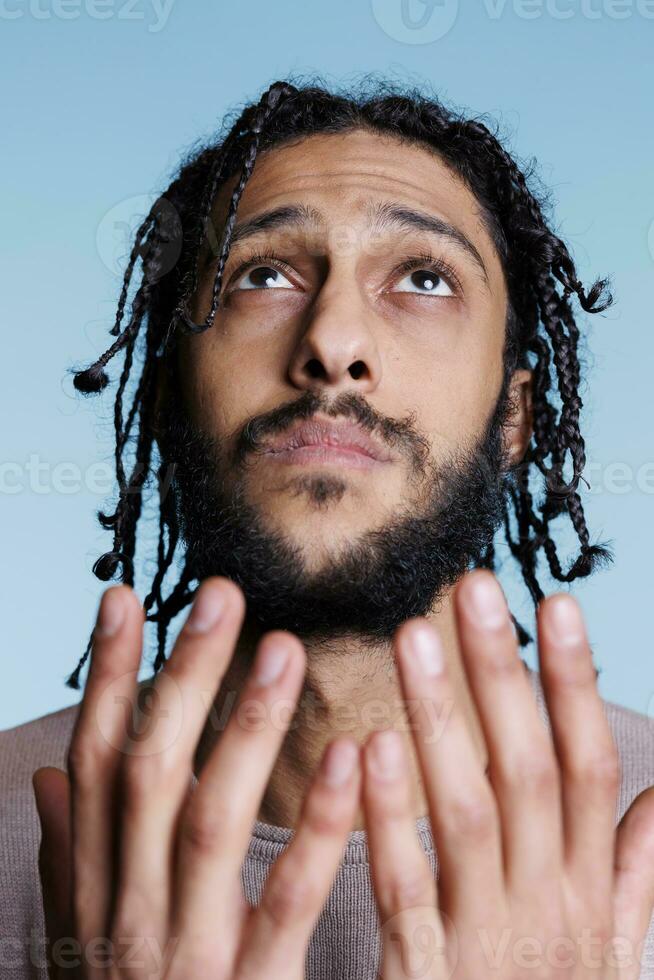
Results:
x,y
318,538
312,501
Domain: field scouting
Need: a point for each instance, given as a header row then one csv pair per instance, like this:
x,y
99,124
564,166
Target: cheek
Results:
x,y
229,381
453,388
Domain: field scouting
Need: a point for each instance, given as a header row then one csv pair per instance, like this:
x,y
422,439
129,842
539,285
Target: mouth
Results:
x,y
324,442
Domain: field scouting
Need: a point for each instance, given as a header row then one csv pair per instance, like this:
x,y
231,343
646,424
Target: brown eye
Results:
x,y
425,282
263,277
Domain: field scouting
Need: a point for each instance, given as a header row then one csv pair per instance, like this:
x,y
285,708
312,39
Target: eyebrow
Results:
x,y
381,216
294,215
398,215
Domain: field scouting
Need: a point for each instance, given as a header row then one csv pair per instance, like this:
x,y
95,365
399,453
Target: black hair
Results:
x,y
541,331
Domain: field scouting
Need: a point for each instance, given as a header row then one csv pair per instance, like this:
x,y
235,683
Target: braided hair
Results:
x,y
541,332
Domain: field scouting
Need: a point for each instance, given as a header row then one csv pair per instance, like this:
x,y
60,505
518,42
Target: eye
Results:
x,y
262,277
425,282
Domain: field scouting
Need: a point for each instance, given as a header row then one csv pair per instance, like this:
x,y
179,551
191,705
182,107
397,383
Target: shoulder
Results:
x,y
633,734
38,738
24,748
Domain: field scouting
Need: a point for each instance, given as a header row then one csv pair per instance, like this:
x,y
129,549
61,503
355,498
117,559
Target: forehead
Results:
x,y
341,175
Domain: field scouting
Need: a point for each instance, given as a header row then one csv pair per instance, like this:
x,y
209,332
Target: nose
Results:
x,y
337,350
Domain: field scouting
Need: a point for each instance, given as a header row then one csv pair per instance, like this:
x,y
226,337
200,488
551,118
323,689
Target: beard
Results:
x,y
377,581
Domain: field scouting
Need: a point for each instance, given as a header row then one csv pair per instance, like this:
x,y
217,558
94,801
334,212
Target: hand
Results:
x,y
130,852
534,880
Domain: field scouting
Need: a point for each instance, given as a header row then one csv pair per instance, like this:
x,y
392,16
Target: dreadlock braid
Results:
x,y
168,528
541,332
259,117
94,379
124,520
551,438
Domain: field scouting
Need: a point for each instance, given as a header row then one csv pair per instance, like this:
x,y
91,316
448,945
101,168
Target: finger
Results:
x,y
633,907
405,887
299,884
523,768
462,808
216,826
95,756
158,768
588,757
52,794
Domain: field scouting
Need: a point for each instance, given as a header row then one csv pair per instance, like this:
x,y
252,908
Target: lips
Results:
x,y
345,436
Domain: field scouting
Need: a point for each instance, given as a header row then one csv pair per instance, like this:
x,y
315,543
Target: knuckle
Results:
x,y
535,774
288,899
84,760
322,823
324,818
471,818
601,772
404,889
143,775
392,807
201,832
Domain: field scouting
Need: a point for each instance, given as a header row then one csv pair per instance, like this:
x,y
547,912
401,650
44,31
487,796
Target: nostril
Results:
x,y
357,369
314,367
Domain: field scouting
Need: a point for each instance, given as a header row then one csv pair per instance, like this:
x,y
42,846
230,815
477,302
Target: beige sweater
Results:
x,y
345,944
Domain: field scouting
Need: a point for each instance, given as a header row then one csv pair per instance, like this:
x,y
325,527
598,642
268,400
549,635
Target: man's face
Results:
x,y
362,287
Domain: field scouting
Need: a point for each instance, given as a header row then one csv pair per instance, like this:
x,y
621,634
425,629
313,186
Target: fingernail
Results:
x,y
110,614
269,664
206,610
565,617
386,754
427,651
487,602
338,762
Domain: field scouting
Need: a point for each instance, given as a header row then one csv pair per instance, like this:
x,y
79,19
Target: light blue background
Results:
x,y
96,112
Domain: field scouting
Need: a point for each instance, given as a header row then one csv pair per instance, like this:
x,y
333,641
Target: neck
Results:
x,y
349,689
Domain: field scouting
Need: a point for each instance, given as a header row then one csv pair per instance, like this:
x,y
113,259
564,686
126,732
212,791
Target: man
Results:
x,y
357,353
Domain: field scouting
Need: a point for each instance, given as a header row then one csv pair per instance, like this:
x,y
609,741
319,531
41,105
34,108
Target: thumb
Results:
x,y
634,875
52,793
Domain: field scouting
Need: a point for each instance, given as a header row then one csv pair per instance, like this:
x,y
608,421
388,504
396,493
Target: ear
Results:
x,y
518,427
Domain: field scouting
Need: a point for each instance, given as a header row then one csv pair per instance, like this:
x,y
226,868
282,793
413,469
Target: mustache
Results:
x,y
398,434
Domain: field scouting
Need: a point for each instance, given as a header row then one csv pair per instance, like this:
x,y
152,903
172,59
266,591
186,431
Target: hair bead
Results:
x,y
92,380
